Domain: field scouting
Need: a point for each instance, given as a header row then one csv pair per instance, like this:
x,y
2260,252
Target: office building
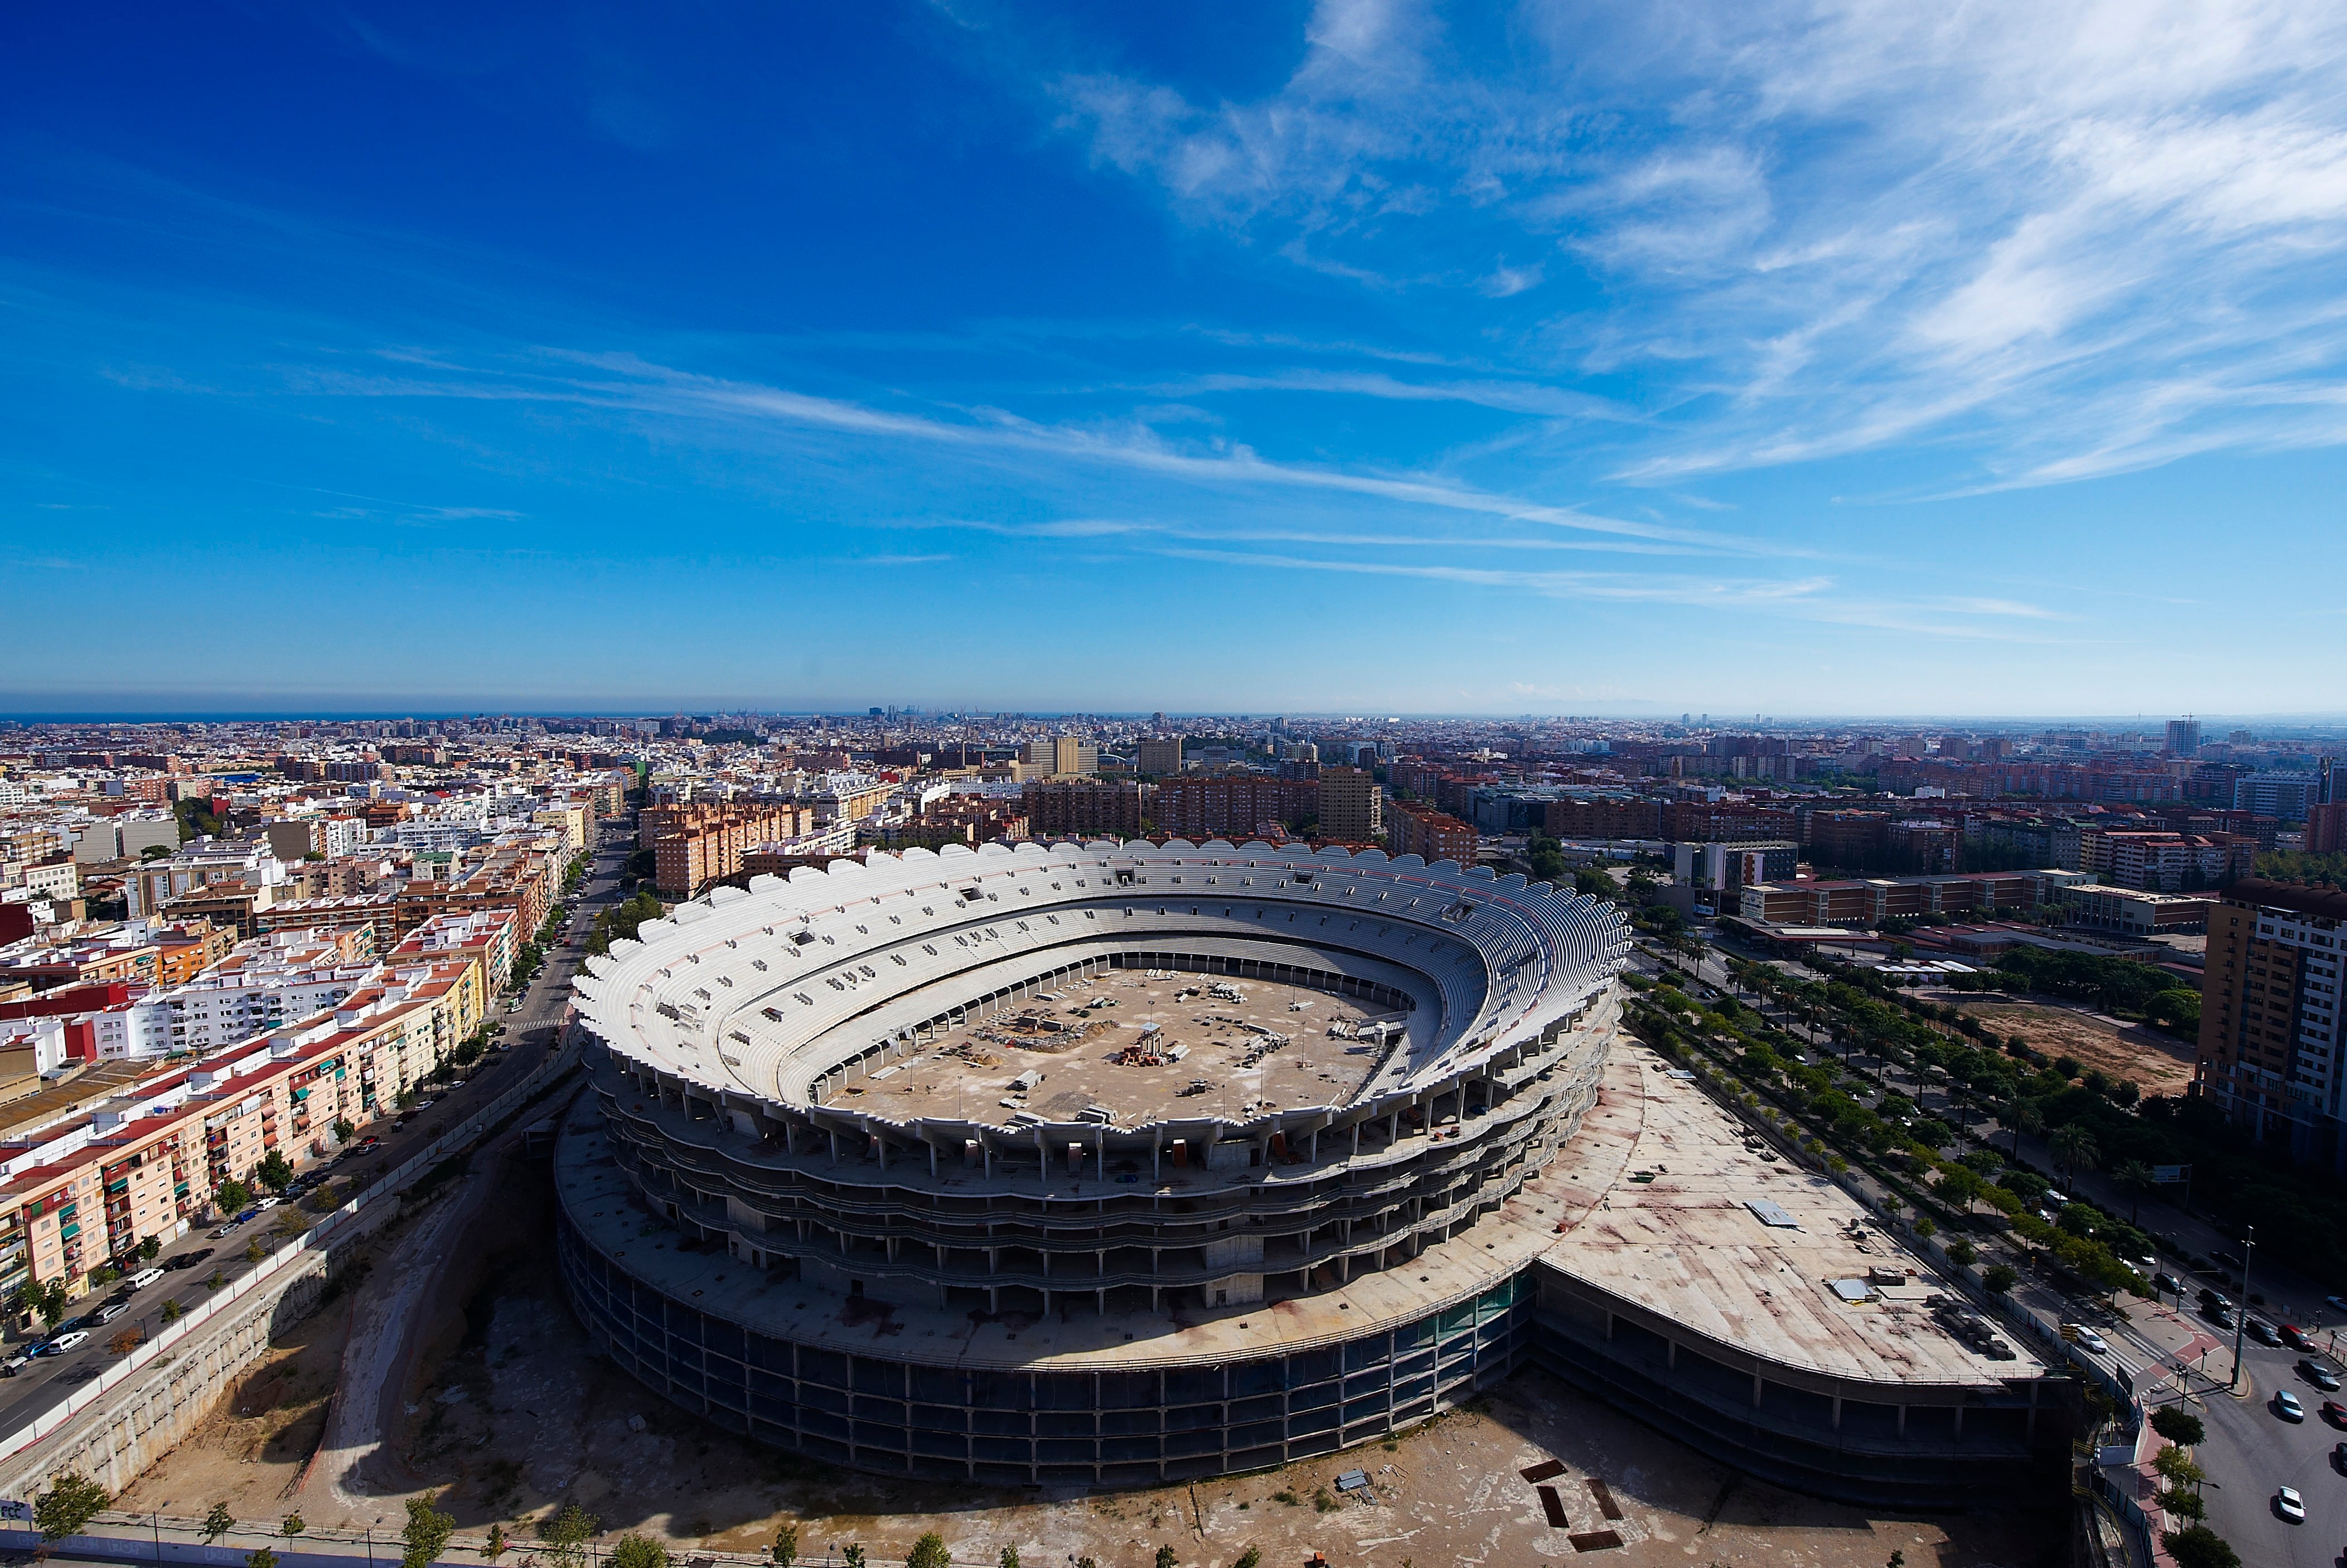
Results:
x,y
1350,811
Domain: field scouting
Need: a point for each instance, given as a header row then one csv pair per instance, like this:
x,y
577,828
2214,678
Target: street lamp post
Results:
x,y
2241,1312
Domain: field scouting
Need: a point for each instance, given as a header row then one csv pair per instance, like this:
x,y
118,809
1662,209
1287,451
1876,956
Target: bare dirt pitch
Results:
x,y
2153,1062
508,1416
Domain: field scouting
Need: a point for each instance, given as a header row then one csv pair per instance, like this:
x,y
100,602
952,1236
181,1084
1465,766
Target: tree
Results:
x,y
2075,1147
1165,1558
786,1546
2198,1546
852,1554
125,1339
1999,1278
2136,1178
72,1501
2024,1117
2178,1425
635,1551
293,1525
345,1129
231,1197
2177,1467
404,1098
1009,1558
495,1546
276,1173
253,1251
219,1521
171,1311
929,1552
427,1533
149,1246
565,1533
1250,1558
51,1304
261,1557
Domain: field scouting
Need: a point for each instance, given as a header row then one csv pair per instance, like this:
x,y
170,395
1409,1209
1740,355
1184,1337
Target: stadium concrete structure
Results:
x,y
749,1225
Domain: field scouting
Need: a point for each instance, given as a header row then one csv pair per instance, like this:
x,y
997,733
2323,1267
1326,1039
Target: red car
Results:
x,y
2294,1337
2334,1412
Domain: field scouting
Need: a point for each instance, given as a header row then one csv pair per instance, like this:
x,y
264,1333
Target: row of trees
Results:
x,y
73,1502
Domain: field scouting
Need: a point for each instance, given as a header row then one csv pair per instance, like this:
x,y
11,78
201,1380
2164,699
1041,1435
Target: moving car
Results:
x,y
227,1230
110,1312
267,1203
2168,1283
2336,1303
2316,1373
2334,1412
190,1259
2290,1505
2263,1332
143,1277
2287,1407
2087,1336
17,1361
71,1339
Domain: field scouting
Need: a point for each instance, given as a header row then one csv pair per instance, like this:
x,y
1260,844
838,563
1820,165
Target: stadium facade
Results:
x,y
766,1223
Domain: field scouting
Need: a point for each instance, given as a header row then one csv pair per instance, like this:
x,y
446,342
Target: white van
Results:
x,y
143,1277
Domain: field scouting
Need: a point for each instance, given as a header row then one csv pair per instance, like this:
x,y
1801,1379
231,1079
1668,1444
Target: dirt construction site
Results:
x,y
1136,1048
2153,1062
454,1368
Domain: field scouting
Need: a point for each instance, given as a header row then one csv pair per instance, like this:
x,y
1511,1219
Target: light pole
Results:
x,y
2242,1311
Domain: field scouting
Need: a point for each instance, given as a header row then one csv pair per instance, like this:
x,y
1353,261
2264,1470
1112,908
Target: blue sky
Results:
x,y
1805,359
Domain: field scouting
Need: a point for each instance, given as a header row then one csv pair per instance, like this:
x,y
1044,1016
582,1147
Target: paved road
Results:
x,y
531,1029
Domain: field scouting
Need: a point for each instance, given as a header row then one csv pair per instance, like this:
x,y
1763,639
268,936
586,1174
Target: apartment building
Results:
x,y
1159,757
1231,806
1350,806
486,937
1602,816
259,986
2271,1042
1083,810
1433,835
2156,862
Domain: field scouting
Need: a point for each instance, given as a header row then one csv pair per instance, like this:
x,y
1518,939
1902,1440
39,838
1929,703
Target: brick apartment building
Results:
x,y
696,844
1233,805
1603,817
1073,809
1350,806
1431,836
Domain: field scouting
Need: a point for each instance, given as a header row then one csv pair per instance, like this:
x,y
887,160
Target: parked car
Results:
x,y
227,1230
2290,1505
246,1215
190,1259
267,1203
2334,1412
2287,1407
110,1312
71,1339
2316,1373
17,1361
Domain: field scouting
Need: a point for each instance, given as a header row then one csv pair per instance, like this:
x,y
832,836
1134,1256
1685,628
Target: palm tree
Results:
x,y
2075,1147
2136,1178
2024,1117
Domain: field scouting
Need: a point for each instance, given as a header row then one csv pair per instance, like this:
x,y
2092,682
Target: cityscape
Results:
x,y
1337,784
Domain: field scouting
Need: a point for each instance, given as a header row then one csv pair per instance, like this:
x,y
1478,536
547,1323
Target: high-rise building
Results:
x,y
1083,810
1349,806
1158,756
2269,1023
2286,795
2184,737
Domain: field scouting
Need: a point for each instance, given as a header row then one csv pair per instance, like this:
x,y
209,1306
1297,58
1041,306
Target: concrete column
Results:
x,y
1959,1421
933,1162
1902,1420
1756,1391
1670,1354
1837,1412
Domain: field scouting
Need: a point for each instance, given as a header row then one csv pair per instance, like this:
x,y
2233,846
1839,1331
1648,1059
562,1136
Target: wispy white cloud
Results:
x,y
2045,242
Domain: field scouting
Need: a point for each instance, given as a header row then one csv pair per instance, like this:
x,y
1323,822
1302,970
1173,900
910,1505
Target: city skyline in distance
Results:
x,y
1304,358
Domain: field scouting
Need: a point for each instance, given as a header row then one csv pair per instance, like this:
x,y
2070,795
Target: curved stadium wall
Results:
x,y
1012,1297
